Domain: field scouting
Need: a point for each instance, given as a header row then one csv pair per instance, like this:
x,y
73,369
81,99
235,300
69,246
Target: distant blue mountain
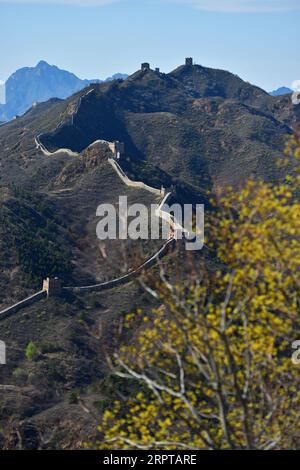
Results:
x,y
281,91
37,84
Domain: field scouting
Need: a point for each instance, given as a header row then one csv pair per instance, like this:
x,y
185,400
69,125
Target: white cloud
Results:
x,y
64,2
296,85
243,6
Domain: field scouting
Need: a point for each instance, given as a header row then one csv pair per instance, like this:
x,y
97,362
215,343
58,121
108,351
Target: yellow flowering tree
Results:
x,y
213,361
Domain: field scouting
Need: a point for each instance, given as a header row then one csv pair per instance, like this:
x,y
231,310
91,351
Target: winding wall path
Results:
x,y
125,279
22,304
120,281
134,184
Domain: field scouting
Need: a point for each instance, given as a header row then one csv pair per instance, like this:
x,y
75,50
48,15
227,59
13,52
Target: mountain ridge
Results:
x,y
194,131
196,96
38,84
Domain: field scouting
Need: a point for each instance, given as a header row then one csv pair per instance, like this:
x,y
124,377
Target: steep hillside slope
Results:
x,y
196,124
192,131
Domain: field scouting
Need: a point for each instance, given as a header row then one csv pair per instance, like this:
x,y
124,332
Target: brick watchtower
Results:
x,y
145,66
53,287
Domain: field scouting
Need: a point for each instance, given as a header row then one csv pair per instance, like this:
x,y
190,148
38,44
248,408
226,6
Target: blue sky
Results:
x,y
256,39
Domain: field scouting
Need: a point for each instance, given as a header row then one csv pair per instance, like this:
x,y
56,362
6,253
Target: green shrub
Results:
x,y
20,374
73,398
31,351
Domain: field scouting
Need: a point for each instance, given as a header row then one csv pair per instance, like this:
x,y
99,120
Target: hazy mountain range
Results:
x,y
38,84
281,91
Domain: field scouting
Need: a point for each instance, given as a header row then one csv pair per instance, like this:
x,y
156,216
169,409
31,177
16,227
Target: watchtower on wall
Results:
x,y
189,61
145,66
53,287
117,148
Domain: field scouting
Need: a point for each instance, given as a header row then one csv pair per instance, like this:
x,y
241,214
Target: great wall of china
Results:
x,y
53,287
22,304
